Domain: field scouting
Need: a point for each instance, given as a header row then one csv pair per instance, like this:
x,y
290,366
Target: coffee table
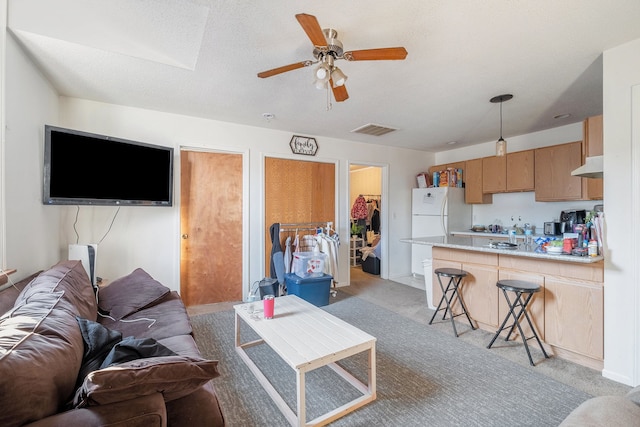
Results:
x,y
306,338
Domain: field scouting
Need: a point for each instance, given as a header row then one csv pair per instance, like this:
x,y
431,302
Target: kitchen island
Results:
x,y
568,312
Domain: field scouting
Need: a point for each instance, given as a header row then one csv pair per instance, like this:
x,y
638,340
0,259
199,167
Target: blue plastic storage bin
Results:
x,y
315,290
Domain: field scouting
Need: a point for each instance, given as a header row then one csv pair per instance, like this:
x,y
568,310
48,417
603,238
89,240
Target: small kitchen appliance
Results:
x,y
571,217
552,229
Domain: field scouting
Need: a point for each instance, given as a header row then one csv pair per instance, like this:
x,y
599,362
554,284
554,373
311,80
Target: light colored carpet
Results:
x,y
425,377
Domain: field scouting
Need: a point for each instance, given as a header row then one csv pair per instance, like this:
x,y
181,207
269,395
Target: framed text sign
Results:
x,y
303,145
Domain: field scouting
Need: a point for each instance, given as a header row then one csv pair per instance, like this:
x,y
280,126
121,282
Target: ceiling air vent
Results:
x,y
372,129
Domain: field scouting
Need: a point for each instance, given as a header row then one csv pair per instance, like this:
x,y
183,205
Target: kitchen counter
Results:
x,y
481,244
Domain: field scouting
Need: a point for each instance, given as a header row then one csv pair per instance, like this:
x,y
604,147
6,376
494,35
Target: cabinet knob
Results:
x,y
185,236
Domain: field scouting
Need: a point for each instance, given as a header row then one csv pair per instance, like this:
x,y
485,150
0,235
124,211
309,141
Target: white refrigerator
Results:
x,y
436,212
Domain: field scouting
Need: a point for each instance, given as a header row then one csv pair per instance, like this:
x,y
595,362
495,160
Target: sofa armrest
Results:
x,y
145,411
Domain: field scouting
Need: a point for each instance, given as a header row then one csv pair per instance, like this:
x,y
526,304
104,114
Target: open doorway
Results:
x,y
366,215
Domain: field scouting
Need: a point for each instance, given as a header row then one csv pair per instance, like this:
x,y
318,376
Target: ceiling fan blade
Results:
x,y
339,93
284,69
376,54
310,26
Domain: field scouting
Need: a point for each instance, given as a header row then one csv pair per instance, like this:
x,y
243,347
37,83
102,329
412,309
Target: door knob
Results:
x,y
185,236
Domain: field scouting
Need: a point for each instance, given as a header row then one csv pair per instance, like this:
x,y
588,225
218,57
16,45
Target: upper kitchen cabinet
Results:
x,y
494,174
592,146
553,179
511,173
473,191
520,171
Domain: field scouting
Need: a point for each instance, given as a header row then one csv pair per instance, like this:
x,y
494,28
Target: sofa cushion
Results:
x,y
130,293
41,345
9,296
173,376
165,318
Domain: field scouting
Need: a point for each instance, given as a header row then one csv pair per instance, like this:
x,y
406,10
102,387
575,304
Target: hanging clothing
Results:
x,y
277,257
288,257
359,209
375,221
329,245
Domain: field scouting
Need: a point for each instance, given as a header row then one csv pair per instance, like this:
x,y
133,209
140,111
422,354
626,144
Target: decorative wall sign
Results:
x,y
303,145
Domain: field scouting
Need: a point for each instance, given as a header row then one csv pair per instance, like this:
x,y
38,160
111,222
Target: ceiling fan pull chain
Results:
x,y
329,106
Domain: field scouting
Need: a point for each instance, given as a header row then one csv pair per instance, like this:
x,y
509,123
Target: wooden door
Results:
x,y
297,191
210,227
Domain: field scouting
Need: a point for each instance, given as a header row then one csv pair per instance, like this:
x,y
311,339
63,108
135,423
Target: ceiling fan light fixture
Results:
x,y
501,144
322,72
320,84
339,78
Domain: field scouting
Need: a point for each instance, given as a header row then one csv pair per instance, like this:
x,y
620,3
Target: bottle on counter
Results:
x,y
512,235
528,237
593,248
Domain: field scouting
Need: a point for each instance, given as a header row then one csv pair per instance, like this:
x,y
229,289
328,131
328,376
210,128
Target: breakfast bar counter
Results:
x,y
481,244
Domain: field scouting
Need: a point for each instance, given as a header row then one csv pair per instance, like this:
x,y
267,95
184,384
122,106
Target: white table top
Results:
x,y
303,334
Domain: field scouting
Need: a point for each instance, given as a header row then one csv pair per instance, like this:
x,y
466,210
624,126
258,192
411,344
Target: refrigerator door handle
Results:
x,y
442,209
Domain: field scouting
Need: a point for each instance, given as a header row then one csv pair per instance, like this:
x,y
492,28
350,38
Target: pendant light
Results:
x,y
501,144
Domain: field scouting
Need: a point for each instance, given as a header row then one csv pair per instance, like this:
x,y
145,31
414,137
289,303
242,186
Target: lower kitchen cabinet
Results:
x,y
574,313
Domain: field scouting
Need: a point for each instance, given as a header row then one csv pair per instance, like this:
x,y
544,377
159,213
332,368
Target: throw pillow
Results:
x,y
130,293
173,376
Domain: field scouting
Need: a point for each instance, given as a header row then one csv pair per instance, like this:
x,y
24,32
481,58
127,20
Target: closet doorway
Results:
x,y
297,191
211,218
366,186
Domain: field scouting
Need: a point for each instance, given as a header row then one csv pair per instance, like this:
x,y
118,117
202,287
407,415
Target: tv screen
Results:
x,y
83,168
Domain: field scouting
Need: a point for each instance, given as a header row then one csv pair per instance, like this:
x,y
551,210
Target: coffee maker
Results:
x,y
570,218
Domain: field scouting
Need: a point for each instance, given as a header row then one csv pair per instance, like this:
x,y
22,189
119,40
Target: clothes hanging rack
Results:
x,y
326,226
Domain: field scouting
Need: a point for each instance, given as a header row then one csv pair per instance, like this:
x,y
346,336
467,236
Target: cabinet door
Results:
x,y
592,130
494,174
472,178
520,171
574,316
553,166
480,293
536,305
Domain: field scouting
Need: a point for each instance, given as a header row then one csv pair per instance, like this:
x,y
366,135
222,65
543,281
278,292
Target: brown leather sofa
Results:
x,y
123,357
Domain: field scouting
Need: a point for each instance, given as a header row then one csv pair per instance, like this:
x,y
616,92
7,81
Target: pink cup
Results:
x,y
268,302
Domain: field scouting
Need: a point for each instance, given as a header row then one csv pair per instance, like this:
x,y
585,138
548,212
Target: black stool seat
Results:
x,y
455,276
523,293
518,285
450,272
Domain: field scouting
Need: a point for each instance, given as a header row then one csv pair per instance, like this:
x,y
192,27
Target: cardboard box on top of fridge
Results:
x,y
424,180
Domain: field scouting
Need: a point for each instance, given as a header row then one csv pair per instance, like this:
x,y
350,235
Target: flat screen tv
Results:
x,y
83,168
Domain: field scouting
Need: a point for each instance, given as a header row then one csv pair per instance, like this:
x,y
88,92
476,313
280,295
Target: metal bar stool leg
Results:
x,y
447,303
519,288
449,294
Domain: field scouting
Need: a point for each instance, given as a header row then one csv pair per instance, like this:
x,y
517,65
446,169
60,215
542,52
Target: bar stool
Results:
x,y
523,293
455,276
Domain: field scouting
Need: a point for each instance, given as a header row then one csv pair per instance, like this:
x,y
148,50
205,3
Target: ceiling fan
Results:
x,y
326,50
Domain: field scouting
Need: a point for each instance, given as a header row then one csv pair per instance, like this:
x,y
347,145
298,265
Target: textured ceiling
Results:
x,y
201,57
